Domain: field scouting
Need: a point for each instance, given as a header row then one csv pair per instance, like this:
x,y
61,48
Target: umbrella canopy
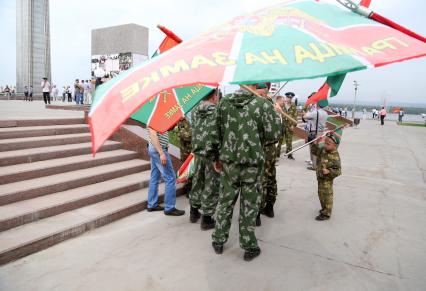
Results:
x,y
298,39
164,110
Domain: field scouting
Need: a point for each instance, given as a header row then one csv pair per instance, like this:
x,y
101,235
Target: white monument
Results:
x,y
32,44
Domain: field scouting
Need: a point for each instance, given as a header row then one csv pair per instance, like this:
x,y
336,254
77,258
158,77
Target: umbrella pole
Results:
x,y
308,143
278,91
258,95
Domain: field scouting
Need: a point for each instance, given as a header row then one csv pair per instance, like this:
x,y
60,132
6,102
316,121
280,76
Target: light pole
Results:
x,y
353,108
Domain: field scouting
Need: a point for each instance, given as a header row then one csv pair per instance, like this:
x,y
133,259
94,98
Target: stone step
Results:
x,y
30,238
18,191
20,172
30,131
42,141
53,152
40,122
19,213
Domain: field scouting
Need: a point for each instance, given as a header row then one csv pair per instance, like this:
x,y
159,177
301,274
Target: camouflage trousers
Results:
x,y
244,181
185,151
269,181
325,194
205,186
288,138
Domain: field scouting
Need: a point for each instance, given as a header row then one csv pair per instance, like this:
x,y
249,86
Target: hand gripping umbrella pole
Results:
x,y
317,138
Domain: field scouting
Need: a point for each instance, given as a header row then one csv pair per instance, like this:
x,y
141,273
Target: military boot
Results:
x,y
250,254
194,215
207,222
268,210
218,248
258,221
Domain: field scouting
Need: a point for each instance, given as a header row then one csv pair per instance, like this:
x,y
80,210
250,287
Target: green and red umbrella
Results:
x,y
298,39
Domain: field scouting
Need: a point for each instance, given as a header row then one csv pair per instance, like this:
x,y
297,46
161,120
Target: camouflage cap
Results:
x,y
290,94
336,135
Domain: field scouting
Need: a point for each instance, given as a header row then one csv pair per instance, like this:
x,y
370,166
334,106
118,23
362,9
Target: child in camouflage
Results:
x,y
328,168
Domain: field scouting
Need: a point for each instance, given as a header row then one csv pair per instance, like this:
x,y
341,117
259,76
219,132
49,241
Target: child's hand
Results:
x,y
325,171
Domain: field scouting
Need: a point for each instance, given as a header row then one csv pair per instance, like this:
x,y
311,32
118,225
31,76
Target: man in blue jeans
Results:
x,y
161,165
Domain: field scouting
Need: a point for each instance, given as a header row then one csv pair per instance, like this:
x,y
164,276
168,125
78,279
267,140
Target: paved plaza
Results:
x,y
18,109
375,240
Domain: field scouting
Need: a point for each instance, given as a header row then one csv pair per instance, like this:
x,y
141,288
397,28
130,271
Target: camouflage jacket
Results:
x,y
245,123
203,128
328,160
292,111
184,130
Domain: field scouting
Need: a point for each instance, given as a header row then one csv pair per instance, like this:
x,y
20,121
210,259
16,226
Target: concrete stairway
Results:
x,y
52,189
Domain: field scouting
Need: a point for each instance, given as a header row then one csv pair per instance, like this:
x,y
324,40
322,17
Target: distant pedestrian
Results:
x,y
87,92
317,120
45,86
55,92
400,115
69,94
7,92
364,114
26,93
30,93
64,93
382,114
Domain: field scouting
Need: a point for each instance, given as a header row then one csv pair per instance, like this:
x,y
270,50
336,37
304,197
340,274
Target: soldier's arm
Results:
x,y
216,133
334,167
271,123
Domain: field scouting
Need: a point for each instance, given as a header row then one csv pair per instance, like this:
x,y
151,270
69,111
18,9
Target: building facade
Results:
x,y
32,44
118,48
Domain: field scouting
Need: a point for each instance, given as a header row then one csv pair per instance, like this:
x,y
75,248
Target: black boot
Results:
x,y
194,215
268,210
207,222
250,254
290,157
258,221
218,248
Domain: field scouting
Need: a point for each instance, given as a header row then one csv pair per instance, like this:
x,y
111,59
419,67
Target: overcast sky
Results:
x,y
71,23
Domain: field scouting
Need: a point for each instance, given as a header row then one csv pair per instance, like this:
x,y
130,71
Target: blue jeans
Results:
x,y
168,174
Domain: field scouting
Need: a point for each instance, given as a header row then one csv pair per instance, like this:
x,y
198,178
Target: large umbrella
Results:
x,y
298,39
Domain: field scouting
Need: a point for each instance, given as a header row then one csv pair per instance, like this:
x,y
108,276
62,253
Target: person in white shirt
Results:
x,y
87,92
317,120
45,86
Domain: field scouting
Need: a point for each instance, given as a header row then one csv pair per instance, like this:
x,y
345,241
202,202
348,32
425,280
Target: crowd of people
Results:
x,y
236,141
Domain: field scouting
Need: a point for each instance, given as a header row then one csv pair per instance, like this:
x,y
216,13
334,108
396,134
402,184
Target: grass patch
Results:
x,y
418,124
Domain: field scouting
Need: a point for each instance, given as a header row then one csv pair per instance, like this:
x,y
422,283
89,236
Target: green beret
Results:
x,y
336,135
262,86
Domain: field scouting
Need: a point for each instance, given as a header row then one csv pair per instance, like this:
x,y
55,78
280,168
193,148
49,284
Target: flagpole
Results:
x,y
278,91
308,143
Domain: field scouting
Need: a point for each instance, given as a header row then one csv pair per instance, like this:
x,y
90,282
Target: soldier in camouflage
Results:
x,y
269,182
244,127
184,133
290,109
328,168
205,182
